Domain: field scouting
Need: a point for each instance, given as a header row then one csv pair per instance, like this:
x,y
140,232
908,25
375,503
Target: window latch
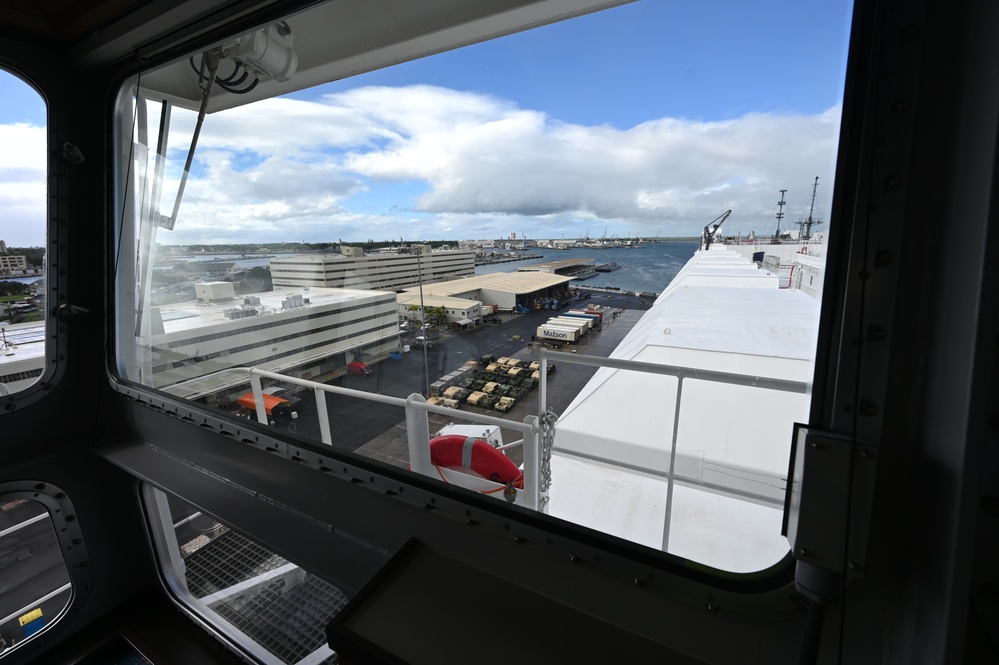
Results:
x,y
67,311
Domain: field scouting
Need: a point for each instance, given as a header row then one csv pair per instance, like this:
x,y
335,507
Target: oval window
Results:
x,y
35,586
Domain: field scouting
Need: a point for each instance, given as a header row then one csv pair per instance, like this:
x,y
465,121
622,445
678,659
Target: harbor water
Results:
x,y
645,268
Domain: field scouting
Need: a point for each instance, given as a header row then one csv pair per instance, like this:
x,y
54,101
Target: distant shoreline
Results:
x,y
507,258
23,279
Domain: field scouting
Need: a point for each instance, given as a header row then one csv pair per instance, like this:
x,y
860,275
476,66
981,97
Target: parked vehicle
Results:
x,y
275,406
359,368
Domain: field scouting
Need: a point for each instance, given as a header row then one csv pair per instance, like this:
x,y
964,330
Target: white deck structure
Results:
x,y
613,444
22,356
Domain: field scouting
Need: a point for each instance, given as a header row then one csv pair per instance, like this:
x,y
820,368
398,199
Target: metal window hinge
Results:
x,y
828,505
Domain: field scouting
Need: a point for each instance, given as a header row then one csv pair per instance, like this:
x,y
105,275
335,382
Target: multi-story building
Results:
x,y
9,264
352,269
311,333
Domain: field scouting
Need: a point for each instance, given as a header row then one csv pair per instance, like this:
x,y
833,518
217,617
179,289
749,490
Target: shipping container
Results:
x,y
558,333
583,325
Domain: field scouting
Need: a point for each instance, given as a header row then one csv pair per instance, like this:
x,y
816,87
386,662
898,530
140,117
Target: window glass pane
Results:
x,y
649,183
22,235
34,582
263,602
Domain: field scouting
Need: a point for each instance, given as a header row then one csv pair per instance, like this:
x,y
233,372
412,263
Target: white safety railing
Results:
x,y
536,441
417,412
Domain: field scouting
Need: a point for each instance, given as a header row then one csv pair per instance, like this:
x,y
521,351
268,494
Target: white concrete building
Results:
x,y
311,334
10,264
458,310
353,269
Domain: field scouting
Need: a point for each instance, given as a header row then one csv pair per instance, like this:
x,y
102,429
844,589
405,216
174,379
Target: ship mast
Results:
x,y
780,216
809,223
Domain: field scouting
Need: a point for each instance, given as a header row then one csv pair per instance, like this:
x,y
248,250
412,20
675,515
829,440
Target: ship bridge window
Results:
x,y
23,196
632,195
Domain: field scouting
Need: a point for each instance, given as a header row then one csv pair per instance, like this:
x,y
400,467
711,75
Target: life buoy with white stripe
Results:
x,y
454,451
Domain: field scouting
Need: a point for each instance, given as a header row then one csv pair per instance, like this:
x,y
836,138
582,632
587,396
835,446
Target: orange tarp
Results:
x,y
270,401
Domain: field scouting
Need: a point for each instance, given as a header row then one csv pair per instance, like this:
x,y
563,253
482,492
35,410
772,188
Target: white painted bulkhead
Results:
x,y
724,314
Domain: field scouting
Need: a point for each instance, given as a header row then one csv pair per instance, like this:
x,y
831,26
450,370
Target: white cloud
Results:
x,y
22,185
487,166
428,162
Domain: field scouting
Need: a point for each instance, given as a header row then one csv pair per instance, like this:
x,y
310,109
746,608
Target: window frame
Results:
x,y
58,164
617,558
73,548
170,565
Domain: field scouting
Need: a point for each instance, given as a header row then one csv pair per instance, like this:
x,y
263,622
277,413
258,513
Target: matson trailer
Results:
x,y
590,321
557,333
599,313
596,320
582,325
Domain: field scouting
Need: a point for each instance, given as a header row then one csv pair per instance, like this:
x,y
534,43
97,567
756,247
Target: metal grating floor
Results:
x,y
287,620
226,561
286,615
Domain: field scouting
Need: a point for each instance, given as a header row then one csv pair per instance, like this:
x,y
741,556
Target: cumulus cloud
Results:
x,y
508,161
22,184
428,162
486,165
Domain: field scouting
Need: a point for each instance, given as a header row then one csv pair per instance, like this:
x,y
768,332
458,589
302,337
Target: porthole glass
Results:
x,y
35,586
23,187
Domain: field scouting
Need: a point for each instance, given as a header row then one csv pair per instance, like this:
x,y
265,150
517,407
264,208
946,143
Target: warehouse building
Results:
x,y
574,268
504,291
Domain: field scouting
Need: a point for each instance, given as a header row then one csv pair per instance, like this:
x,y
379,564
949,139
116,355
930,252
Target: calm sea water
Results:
x,y
649,267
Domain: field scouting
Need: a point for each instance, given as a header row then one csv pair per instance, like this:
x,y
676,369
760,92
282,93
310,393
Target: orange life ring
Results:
x,y
454,451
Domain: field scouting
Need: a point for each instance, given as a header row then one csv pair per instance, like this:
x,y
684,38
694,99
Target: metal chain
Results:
x,y
547,443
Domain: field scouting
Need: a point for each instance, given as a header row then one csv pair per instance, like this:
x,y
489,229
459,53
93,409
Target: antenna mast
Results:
x,y
810,222
780,215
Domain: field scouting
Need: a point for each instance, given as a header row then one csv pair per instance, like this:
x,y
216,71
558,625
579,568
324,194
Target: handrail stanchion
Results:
x,y
258,398
672,463
323,415
543,382
418,435
532,465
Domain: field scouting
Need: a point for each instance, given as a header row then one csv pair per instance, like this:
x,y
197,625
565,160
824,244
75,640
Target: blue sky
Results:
x,y
651,117
706,60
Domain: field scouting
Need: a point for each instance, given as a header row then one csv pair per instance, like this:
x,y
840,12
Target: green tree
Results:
x,y
258,279
436,316
14,289
413,309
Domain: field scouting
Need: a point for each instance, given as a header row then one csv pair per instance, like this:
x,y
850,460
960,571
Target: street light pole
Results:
x,y
423,325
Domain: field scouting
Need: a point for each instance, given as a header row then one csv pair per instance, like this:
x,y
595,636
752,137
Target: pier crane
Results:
x,y
712,228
